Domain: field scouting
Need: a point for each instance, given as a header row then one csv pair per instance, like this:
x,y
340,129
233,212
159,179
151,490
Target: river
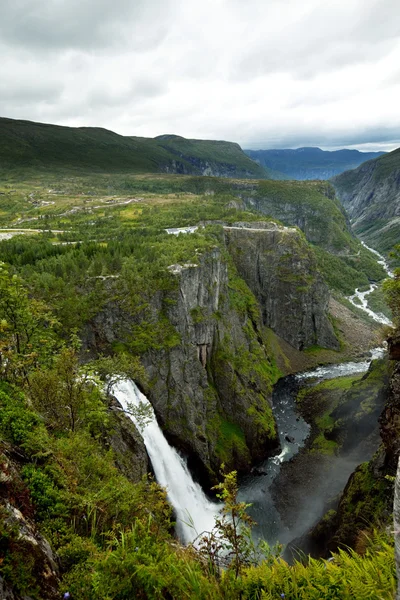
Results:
x,y
195,512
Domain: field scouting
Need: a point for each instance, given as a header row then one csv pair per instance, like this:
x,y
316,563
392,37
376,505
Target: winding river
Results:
x,y
195,512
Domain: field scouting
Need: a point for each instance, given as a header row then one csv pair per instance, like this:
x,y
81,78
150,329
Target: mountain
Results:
x,y
25,145
211,157
310,163
371,196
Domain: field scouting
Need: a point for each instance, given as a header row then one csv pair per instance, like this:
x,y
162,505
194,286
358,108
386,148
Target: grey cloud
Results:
x,y
83,24
24,94
322,40
330,139
139,90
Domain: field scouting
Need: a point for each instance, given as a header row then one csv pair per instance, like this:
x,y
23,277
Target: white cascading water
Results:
x,y
359,299
382,260
194,511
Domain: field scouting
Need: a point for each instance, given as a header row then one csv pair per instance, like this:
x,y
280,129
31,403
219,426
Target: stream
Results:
x,y
195,513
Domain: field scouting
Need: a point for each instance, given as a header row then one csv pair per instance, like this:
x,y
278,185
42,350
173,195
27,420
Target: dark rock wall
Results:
x,y
279,267
211,389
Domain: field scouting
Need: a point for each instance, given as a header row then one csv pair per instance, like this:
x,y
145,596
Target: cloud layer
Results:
x,y
265,73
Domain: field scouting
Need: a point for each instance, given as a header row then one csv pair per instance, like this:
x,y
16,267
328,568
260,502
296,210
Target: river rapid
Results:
x,y
195,512
257,488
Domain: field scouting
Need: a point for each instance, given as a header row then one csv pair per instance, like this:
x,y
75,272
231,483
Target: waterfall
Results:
x,y
194,511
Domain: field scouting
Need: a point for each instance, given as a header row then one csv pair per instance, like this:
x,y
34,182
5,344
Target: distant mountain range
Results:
x,y
25,145
310,163
371,196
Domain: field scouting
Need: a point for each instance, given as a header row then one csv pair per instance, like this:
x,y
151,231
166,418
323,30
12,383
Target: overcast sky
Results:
x,y
264,73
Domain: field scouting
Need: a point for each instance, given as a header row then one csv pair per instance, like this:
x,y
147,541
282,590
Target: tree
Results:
x,y
68,395
230,544
26,329
391,288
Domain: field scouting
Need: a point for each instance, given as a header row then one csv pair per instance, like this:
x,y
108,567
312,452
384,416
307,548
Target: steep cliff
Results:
x,y
280,269
211,158
211,376
371,196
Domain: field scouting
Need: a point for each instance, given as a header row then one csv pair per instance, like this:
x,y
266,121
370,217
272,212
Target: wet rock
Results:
x,y
290,439
130,452
257,471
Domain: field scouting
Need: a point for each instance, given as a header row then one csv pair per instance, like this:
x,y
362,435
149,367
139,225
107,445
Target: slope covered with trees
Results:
x,y
26,146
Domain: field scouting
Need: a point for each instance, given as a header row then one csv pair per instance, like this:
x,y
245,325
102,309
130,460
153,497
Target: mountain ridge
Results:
x,y
29,145
371,196
310,162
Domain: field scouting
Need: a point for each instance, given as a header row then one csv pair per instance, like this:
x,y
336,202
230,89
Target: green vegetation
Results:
x,y
29,147
231,441
335,405
391,288
100,266
344,274
370,194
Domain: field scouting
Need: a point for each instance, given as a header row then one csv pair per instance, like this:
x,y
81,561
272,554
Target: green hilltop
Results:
x,y
29,146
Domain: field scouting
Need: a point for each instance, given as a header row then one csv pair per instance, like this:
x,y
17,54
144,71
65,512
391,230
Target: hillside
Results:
x,y
26,146
212,157
371,196
205,323
310,163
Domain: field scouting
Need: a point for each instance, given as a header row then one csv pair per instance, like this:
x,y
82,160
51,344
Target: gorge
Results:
x,y
231,304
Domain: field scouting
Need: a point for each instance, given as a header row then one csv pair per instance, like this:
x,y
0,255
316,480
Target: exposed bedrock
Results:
x,y
211,385
279,268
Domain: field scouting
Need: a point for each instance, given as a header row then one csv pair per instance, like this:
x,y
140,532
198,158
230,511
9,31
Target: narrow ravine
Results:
x,y
293,431
195,513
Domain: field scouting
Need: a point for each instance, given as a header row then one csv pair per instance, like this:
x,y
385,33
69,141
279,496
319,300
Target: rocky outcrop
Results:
x,y
28,564
210,399
210,380
129,449
279,268
371,196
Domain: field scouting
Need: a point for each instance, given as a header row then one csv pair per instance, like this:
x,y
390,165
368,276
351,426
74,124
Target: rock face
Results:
x,y
208,168
210,158
130,452
211,386
390,419
279,268
371,197
26,554
310,206
210,399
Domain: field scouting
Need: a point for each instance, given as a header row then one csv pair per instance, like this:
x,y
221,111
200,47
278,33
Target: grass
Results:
x,y
29,147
